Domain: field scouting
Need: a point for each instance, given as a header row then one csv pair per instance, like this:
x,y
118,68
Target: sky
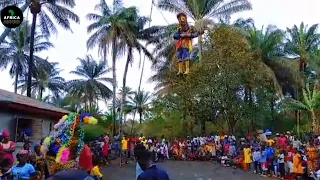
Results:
x,y
69,46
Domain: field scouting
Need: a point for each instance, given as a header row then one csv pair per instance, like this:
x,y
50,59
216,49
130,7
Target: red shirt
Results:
x,y
85,159
290,153
282,141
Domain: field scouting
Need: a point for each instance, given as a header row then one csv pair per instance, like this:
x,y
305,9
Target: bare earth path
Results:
x,y
182,170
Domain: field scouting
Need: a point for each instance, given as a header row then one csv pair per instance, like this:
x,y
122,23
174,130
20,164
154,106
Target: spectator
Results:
x,y
95,171
7,147
124,150
150,171
23,170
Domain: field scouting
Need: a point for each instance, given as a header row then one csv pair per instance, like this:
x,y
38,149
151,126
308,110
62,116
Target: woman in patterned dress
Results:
x,y
311,152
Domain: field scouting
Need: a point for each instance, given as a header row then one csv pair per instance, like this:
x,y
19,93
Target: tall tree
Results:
x,y
267,46
16,51
47,78
304,42
140,103
202,12
60,11
90,87
111,27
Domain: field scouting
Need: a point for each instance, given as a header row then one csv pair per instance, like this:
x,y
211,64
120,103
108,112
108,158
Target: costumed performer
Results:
x,y
65,143
184,37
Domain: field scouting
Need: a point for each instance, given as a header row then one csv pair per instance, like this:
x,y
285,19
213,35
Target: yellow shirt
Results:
x,y
141,138
144,143
270,142
95,171
247,155
124,144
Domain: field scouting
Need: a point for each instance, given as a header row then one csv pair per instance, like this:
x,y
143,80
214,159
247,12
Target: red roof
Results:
x,y
17,99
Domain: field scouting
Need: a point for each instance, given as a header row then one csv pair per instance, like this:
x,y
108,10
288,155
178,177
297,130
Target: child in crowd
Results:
x,y
275,167
95,171
256,160
224,160
263,161
281,164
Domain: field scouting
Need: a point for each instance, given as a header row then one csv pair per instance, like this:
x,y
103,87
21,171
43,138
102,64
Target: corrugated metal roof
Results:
x,y
10,97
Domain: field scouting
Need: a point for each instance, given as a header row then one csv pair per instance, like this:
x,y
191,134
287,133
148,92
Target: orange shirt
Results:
x,y
297,164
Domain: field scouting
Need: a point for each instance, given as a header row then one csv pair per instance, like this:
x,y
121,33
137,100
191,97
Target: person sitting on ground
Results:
x,y
238,160
95,171
144,159
224,160
23,170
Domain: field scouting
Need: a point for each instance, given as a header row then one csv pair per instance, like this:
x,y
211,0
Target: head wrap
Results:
x,y
5,133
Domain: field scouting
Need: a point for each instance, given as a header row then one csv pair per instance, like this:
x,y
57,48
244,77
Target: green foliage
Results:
x,y
92,131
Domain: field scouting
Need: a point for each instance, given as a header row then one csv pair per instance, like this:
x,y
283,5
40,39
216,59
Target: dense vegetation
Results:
x,y
242,78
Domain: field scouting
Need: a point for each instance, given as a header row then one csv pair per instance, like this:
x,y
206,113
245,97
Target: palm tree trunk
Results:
x,y
200,47
40,93
16,81
140,117
35,8
7,30
114,84
124,80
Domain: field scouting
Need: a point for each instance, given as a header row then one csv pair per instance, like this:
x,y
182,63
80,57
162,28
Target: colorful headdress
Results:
x,y
66,140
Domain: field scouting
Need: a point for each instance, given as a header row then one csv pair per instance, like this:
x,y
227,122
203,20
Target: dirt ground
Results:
x,y
182,170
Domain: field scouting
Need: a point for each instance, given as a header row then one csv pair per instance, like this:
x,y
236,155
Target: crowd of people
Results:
x,y
281,155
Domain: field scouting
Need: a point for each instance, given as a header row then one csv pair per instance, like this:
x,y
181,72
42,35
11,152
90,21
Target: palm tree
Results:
x,y
133,43
267,46
16,51
126,90
59,10
303,42
140,103
90,87
66,101
310,102
112,28
202,12
47,78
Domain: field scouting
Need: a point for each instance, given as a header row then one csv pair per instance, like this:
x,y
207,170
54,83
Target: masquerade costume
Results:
x,y
184,37
64,144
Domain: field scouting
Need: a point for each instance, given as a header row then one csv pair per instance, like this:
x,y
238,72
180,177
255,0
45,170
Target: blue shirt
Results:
x,y
153,173
263,157
256,155
23,171
138,170
269,151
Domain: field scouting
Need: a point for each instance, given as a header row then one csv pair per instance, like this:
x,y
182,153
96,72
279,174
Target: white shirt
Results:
x,y
217,138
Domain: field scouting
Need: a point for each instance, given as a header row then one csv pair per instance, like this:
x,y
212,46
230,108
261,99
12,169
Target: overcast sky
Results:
x,y
69,46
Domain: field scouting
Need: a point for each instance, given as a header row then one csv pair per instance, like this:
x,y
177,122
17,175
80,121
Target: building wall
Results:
x,y
7,122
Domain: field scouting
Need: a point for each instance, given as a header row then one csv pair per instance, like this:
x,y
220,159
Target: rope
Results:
x,y
144,58
160,12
